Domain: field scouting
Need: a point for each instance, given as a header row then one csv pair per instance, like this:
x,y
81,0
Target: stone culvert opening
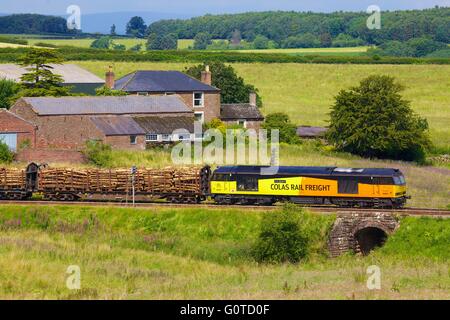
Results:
x,y
369,238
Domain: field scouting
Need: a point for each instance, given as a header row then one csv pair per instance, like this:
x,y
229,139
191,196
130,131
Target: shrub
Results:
x,y
98,153
6,156
281,122
8,89
202,40
281,238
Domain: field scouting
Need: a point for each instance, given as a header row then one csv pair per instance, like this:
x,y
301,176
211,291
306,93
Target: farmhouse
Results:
x,y
200,96
81,80
246,115
122,122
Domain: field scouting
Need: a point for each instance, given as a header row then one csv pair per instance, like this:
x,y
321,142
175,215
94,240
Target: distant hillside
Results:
x,y
33,24
312,28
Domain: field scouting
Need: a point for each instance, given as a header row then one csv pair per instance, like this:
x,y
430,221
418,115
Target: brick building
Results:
x,y
69,122
15,131
200,96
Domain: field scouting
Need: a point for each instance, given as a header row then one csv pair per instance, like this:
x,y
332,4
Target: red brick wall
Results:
x,y
9,123
123,142
50,156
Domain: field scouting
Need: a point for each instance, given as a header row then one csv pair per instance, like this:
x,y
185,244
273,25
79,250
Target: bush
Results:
x,y
6,156
281,122
281,238
98,153
8,89
373,120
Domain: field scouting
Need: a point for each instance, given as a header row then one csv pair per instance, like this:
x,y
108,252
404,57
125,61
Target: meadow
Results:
x,y
306,91
203,254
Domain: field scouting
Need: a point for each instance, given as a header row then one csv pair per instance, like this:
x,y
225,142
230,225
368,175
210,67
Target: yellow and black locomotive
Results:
x,y
347,187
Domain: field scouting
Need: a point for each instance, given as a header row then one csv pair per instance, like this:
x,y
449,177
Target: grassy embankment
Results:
x,y
202,254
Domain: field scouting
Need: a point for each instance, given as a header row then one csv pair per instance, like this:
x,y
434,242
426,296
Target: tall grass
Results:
x,y
200,254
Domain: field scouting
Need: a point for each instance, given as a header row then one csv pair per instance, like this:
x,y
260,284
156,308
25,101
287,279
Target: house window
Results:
x,y
170,93
199,116
184,137
142,93
198,99
151,137
133,139
166,137
242,123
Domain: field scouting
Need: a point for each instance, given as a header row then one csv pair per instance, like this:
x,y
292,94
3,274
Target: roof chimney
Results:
x,y
109,78
206,76
252,99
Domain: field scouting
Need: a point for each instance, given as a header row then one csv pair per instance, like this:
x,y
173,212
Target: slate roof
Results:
x,y
308,131
107,105
161,81
117,125
165,125
240,111
71,73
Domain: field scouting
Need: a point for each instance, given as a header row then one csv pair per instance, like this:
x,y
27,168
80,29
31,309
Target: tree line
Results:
x,y
34,24
297,29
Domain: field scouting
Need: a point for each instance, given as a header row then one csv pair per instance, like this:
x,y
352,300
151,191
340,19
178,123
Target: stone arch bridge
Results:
x,y
360,232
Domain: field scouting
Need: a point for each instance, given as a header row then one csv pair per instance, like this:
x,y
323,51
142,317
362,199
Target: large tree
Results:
x,y
162,42
233,88
202,40
136,27
373,120
39,80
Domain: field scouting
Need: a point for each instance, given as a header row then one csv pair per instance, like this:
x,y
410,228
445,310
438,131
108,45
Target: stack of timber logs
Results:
x,y
11,179
150,181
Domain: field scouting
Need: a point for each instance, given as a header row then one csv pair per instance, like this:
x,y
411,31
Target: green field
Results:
x,y
202,254
306,91
85,43
353,51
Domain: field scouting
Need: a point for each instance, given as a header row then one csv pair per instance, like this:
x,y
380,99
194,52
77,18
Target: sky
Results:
x,y
200,7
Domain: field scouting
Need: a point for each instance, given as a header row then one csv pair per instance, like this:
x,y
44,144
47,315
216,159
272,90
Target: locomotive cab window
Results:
x,y
399,180
247,183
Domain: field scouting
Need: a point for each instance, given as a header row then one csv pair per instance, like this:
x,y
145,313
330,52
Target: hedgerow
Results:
x,y
83,54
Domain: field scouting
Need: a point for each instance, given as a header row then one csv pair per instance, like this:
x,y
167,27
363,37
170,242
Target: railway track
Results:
x,y
319,209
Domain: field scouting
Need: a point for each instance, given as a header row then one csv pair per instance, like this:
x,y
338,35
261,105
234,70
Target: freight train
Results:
x,y
244,185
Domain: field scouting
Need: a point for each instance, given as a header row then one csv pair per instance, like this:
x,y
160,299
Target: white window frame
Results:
x,y
167,138
133,137
202,100
183,135
244,125
202,113
147,139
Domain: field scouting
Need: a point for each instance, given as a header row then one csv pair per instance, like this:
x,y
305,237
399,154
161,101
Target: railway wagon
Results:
x,y
345,187
178,185
15,183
